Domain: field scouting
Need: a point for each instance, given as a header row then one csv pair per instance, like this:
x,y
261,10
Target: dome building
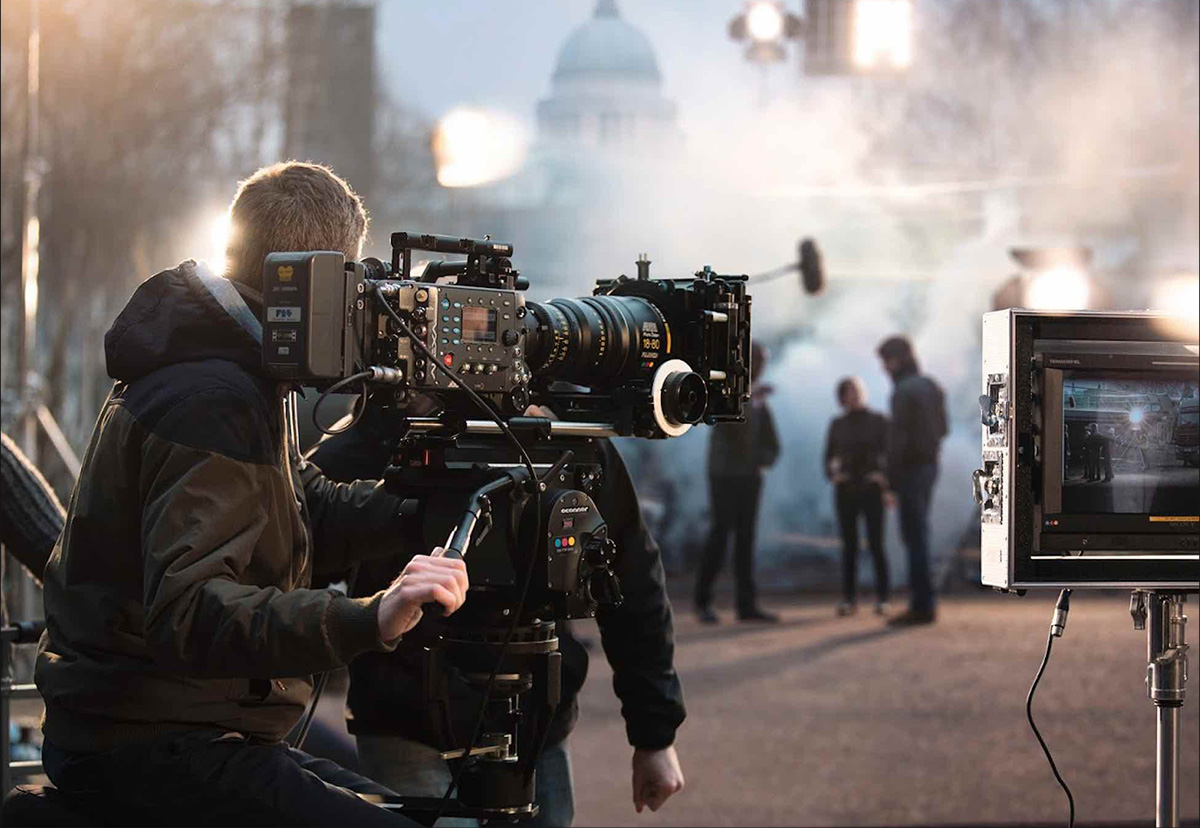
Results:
x,y
606,92
604,134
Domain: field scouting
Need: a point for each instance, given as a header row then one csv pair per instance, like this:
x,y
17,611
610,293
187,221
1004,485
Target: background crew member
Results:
x,y
914,444
855,457
737,455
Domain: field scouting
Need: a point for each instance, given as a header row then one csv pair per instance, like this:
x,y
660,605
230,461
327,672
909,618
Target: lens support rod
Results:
x,y
1166,679
558,428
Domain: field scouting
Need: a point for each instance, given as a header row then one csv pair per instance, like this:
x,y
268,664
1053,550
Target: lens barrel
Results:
x,y
596,339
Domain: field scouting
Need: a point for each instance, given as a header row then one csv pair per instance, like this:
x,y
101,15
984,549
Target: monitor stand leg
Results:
x,y
1166,677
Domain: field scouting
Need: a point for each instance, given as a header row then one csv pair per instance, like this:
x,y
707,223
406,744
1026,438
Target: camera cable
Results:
x,y
477,730
360,404
1057,625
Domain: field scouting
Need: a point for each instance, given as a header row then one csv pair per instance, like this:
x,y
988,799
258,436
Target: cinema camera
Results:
x,y
654,355
641,357
1091,478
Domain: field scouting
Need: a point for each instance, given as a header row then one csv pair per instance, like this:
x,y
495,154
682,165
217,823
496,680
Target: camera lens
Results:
x,y
595,339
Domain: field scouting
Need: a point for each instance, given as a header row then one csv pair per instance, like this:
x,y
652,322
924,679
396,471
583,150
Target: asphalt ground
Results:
x,y
844,721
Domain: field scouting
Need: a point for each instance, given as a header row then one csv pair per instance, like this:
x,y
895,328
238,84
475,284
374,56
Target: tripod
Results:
x,y
1166,675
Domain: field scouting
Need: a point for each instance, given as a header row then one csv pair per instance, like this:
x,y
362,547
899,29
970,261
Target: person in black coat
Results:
x,y
737,455
918,426
855,459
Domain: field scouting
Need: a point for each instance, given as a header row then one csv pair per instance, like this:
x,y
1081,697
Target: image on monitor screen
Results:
x,y
1130,446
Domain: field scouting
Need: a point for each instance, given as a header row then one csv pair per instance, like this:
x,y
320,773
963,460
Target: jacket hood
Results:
x,y
173,317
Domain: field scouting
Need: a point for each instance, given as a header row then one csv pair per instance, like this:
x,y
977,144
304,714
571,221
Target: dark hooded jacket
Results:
x,y
176,598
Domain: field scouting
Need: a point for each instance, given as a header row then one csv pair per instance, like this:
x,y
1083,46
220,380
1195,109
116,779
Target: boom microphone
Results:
x,y
812,271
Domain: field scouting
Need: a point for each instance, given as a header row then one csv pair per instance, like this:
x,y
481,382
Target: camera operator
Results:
x,y
402,752
181,632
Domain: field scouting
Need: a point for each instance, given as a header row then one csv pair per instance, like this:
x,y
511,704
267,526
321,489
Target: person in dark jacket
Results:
x,y
31,517
855,459
914,445
737,455
181,633
637,636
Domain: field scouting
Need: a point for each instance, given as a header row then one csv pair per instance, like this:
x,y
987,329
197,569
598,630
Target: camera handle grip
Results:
x,y
456,544
480,506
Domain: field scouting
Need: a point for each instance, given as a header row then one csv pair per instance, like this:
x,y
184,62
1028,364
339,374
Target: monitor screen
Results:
x,y
479,324
1130,445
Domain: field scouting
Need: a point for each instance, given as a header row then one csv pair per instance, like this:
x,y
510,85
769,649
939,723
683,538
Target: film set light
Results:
x,y
765,25
858,37
1053,279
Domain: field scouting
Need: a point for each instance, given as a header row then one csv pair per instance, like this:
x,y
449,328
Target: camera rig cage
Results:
x,y
649,357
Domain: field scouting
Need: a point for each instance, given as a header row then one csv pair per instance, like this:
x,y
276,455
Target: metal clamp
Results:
x,y
500,748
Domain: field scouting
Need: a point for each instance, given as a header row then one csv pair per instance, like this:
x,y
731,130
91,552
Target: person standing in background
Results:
x,y
855,458
737,455
914,445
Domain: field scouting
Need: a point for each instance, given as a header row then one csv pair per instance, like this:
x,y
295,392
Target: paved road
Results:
x,y
826,721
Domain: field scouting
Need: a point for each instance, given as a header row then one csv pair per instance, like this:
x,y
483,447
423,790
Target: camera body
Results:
x,y
651,357
1089,475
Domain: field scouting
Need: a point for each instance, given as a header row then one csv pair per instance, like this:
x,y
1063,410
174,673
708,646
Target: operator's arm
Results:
x,y
209,537
350,521
638,635
31,518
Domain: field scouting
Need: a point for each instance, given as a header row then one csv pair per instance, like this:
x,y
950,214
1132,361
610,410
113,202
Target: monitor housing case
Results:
x,y
1024,355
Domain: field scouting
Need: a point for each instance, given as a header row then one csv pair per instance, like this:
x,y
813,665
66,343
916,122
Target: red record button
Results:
x,y
448,359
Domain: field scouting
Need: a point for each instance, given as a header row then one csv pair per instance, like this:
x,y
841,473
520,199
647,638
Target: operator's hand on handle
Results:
x,y
656,776
426,578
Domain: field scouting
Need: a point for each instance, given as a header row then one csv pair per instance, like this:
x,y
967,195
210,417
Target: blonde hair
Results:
x,y
292,205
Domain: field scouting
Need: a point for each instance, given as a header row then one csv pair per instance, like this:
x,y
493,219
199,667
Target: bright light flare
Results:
x,y
882,33
1136,415
220,231
1059,288
472,147
764,21
31,253
1180,297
